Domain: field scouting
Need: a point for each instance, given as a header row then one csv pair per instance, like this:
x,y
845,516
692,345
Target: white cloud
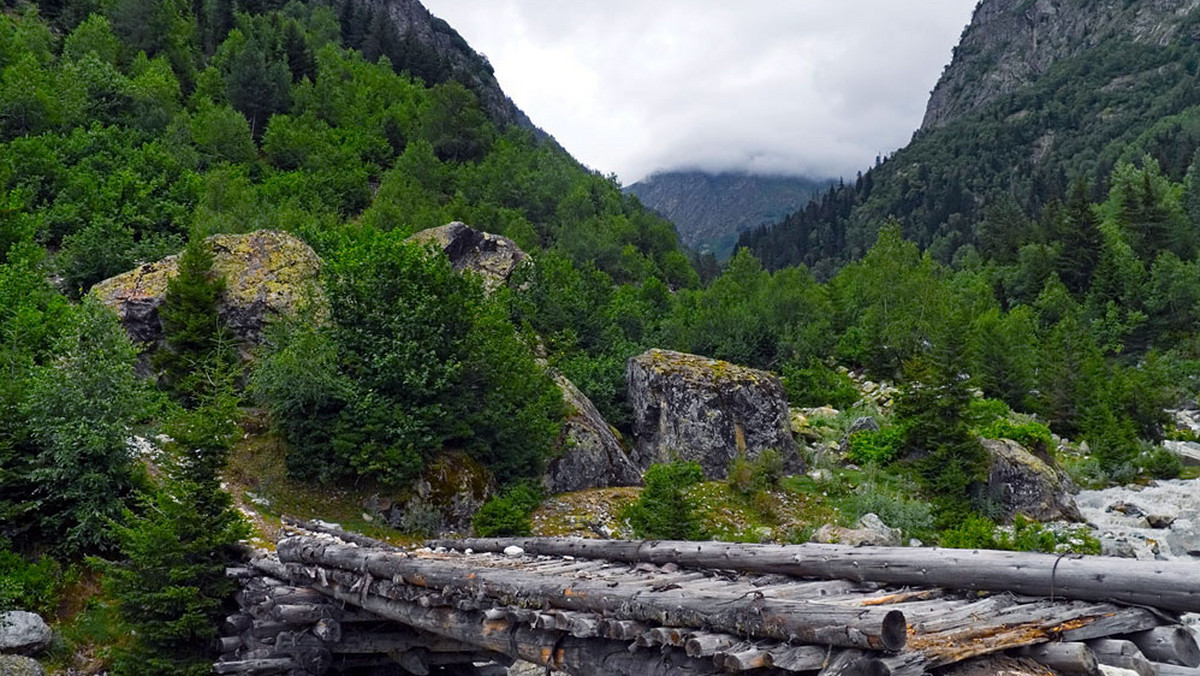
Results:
x,y
772,86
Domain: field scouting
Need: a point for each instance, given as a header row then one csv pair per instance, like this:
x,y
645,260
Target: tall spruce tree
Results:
x,y
192,328
1082,241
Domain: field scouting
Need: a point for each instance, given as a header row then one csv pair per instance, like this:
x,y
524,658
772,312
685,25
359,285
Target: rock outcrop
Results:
x,y
1025,484
492,257
267,273
23,633
691,408
1010,43
591,455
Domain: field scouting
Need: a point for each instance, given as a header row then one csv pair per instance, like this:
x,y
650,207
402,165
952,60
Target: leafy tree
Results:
x,y
81,412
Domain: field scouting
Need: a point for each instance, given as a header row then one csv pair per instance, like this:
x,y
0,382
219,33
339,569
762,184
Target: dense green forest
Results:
x,y
134,129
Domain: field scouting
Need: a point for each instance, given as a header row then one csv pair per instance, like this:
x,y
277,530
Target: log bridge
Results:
x,y
332,602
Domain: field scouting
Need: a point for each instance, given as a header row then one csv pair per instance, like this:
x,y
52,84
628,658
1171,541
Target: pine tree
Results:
x,y
192,328
1082,241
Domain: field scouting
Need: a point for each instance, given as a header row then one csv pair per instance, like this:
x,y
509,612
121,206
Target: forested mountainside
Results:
x,y
225,264
709,210
1039,94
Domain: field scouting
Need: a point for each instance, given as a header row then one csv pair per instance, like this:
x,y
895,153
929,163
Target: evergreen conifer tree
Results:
x,y
192,328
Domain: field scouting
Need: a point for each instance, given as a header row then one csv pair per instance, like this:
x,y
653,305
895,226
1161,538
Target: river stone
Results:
x,y
1188,451
19,665
1025,484
23,633
267,274
590,454
864,424
691,408
492,257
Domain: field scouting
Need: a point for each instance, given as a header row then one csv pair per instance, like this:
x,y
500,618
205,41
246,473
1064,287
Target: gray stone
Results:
x,y
19,665
871,531
691,408
1160,520
591,455
1025,484
1126,508
23,633
492,257
1188,451
863,424
267,274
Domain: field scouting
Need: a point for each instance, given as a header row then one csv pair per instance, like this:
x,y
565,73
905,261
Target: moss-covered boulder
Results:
x,y
492,257
1022,483
691,408
267,273
590,453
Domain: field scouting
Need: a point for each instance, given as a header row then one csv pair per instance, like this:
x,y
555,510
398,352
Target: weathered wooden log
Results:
x,y
1174,670
855,663
801,657
414,661
332,529
312,660
623,630
328,630
228,644
1123,654
1067,658
300,613
743,660
237,622
804,621
1121,621
1168,585
704,644
579,657
264,666
1172,645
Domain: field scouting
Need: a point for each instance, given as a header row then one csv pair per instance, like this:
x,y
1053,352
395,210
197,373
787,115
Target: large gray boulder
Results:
x,y
590,455
267,273
691,408
492,257
19,665
1027,485
23,633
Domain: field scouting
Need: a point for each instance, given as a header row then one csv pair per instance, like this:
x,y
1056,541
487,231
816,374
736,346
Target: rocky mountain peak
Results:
x,y
1011,43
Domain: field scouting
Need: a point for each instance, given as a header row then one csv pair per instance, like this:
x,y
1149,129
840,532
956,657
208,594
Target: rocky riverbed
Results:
x,y
1156,522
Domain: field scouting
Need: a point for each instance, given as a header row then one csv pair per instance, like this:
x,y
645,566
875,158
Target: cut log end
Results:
x,y
894,634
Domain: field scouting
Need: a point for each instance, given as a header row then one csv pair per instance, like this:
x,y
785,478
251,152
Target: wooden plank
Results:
x,y
1161,584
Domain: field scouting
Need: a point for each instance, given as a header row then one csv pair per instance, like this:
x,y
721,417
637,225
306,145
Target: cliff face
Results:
x,y
709,210
1011,43
414,24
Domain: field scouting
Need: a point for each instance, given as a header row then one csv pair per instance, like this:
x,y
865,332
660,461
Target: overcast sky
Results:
x,y
816,87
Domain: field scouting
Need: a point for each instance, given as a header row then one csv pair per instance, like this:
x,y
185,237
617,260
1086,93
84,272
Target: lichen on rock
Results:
x,y
267,273
492,257
590,454
1024,484
692,408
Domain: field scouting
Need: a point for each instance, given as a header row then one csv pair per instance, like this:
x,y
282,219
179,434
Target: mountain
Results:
x,y
1038,94
419,42
709,210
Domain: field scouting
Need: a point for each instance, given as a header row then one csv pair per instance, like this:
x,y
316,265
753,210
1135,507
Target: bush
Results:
x,y
508,513
984,412
977,532
815,384
1160,463
876,446
662,511
36,586
763,473
1032,435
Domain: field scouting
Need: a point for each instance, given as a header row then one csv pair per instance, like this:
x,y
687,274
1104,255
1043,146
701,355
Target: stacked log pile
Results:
x,y
595,607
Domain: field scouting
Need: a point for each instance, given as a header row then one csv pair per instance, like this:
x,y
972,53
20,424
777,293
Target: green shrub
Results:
x,y
876,446
763,473
1032,435
508,513
662,511
914,518
36,586
984,412
977,532
815,384
1160,463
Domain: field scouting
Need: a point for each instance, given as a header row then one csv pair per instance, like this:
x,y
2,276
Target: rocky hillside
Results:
x,y
1011,43
1039,94
423,44
709,210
